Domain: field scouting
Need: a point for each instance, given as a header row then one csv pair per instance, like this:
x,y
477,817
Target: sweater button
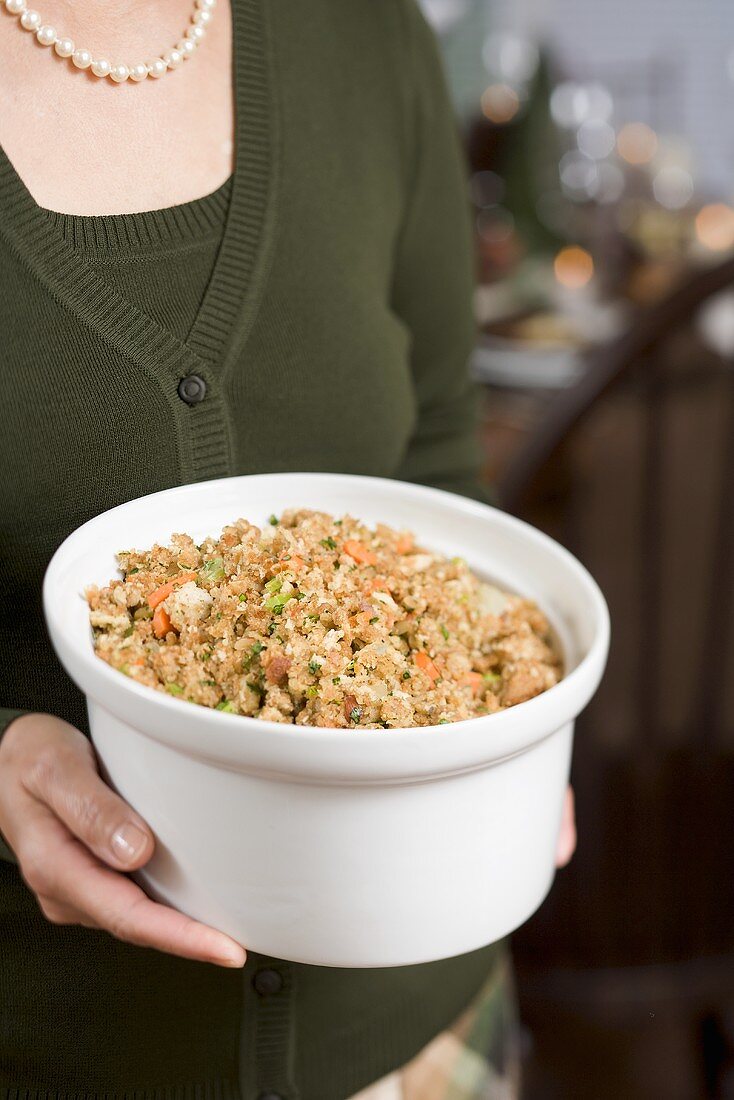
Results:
x,y
267,981
192,389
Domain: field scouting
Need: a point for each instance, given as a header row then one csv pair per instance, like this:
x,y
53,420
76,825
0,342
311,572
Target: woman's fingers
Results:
x,y
74,888
567,836
66,779
116,904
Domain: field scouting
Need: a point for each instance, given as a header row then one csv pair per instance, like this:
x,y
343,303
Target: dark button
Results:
x,y
270,1096
192,389
267,981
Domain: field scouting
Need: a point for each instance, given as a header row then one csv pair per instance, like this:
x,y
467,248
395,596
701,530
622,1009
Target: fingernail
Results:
x,y
229,960
128,842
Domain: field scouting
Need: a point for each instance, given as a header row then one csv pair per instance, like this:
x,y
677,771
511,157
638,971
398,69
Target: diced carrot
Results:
x,y
378,584
161,622
404,544
425,663
359,552
474,680
292,564
165,590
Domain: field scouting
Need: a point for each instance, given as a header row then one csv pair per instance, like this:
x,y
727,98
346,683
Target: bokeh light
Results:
x,y
611,182
500,103
637,143
595,138
486,189
673,187
509,58
579,176
572,103
496,225
573,267
715,226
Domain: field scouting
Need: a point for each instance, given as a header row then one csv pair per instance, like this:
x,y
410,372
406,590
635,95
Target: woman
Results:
x,y
310,311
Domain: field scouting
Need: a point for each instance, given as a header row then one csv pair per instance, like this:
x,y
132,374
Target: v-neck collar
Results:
x,y
230,302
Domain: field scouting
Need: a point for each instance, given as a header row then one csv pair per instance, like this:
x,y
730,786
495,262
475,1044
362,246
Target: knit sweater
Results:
x,y
323,299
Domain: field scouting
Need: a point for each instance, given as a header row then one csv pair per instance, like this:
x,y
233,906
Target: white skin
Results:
x,y
88,146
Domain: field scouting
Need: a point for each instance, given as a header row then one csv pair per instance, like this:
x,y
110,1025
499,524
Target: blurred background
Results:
x,y
601,152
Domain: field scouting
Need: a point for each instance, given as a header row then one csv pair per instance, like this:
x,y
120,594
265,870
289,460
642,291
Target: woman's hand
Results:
x,y
567,836
73,836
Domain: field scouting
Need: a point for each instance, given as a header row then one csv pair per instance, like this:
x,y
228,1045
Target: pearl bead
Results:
x,y
156,67
201,17
30,20
82,59
46,35
64,47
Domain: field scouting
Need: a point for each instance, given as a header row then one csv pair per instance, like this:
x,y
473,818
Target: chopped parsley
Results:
x,y
445,632
242,597
355,714
174,689
273,520
374,619
336,679
258,647
329,543
226,706
312,691
314,667
406,675
443,721
131,571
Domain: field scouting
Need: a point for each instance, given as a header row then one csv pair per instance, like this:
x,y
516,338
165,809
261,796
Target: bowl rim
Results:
x,y
543,714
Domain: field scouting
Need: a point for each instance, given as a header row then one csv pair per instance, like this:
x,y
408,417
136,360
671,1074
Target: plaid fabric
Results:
x,y
476,1058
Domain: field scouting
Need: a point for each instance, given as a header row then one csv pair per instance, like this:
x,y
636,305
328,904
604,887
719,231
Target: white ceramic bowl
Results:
x,y
340,847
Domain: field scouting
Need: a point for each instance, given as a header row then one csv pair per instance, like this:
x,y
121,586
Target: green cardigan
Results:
x,y
323,296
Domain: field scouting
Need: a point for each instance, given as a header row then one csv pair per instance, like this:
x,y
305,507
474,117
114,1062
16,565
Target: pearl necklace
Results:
x,y
31,21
